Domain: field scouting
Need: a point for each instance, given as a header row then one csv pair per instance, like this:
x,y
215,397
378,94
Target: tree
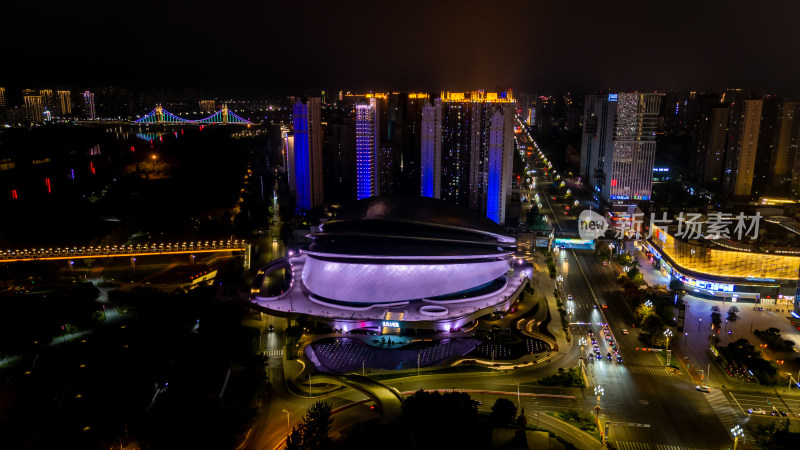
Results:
x,y
732,312
437,420
312,431
643,311
503,411
603,252
520,437
295,440
317,422
653,324
716,317
676,285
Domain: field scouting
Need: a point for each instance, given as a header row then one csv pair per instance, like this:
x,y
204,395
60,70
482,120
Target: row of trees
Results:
x,y
431,420
30,319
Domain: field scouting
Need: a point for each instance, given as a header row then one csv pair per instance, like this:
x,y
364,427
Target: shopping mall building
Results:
x,y
395,265
725,270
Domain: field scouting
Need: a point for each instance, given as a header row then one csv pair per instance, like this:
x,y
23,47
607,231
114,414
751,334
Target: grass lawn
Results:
x,y
579,419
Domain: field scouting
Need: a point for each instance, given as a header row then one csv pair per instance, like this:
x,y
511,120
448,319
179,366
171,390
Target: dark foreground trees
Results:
x,y
431,420
312,431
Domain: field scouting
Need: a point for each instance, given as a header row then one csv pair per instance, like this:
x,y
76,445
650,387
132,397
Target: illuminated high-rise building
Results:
x,y
64,103
619,144
367,149
785,148
467,146
88,106
34,110
431,150
2,103
48,101
740,154
208,106
717,135
308,152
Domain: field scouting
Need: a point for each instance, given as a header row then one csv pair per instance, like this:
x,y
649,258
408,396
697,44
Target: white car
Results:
x,y
703,388
756,411
569,297
624,331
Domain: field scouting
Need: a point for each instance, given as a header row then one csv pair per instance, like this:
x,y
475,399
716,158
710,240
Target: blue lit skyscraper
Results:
x,y
498,177
307,153
367,145
431,150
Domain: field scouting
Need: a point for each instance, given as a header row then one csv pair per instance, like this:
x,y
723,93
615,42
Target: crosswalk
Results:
x,y
729,415
273,352
648,370
628,445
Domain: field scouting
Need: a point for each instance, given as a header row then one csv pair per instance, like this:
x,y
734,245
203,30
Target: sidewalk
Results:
x,y
652,276
544,286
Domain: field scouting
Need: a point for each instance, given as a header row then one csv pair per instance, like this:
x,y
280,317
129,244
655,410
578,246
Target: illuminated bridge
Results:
x,y
160,115
115,251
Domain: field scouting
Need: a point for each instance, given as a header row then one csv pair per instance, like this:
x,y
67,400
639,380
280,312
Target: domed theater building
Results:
x,y
396,263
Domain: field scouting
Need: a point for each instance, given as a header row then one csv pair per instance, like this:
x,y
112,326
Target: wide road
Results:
x,y
645,404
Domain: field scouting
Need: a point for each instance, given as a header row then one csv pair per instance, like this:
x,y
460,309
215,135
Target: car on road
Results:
x,y
271,328
605,263
756,411
569,297
703,388
780,413
624,331
619,358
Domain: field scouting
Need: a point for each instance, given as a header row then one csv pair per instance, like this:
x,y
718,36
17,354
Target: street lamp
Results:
x,y
736,431
685,337
598,391
648,303
288,425
668,334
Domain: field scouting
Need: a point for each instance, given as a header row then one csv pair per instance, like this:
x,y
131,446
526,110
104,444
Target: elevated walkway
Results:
x,y
388,399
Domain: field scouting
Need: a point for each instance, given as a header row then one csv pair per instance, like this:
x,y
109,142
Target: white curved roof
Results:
x,y
383,283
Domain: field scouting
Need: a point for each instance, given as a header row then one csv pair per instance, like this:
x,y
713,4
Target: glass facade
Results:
x,y
723,263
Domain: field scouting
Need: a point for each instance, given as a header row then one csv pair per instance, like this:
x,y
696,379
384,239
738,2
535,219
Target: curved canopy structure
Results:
x,y
399,259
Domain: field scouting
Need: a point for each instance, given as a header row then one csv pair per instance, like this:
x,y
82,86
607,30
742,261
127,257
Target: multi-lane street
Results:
x,y
639,390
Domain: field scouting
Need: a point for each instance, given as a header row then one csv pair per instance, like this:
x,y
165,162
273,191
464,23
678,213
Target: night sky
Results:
x,y
263,47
